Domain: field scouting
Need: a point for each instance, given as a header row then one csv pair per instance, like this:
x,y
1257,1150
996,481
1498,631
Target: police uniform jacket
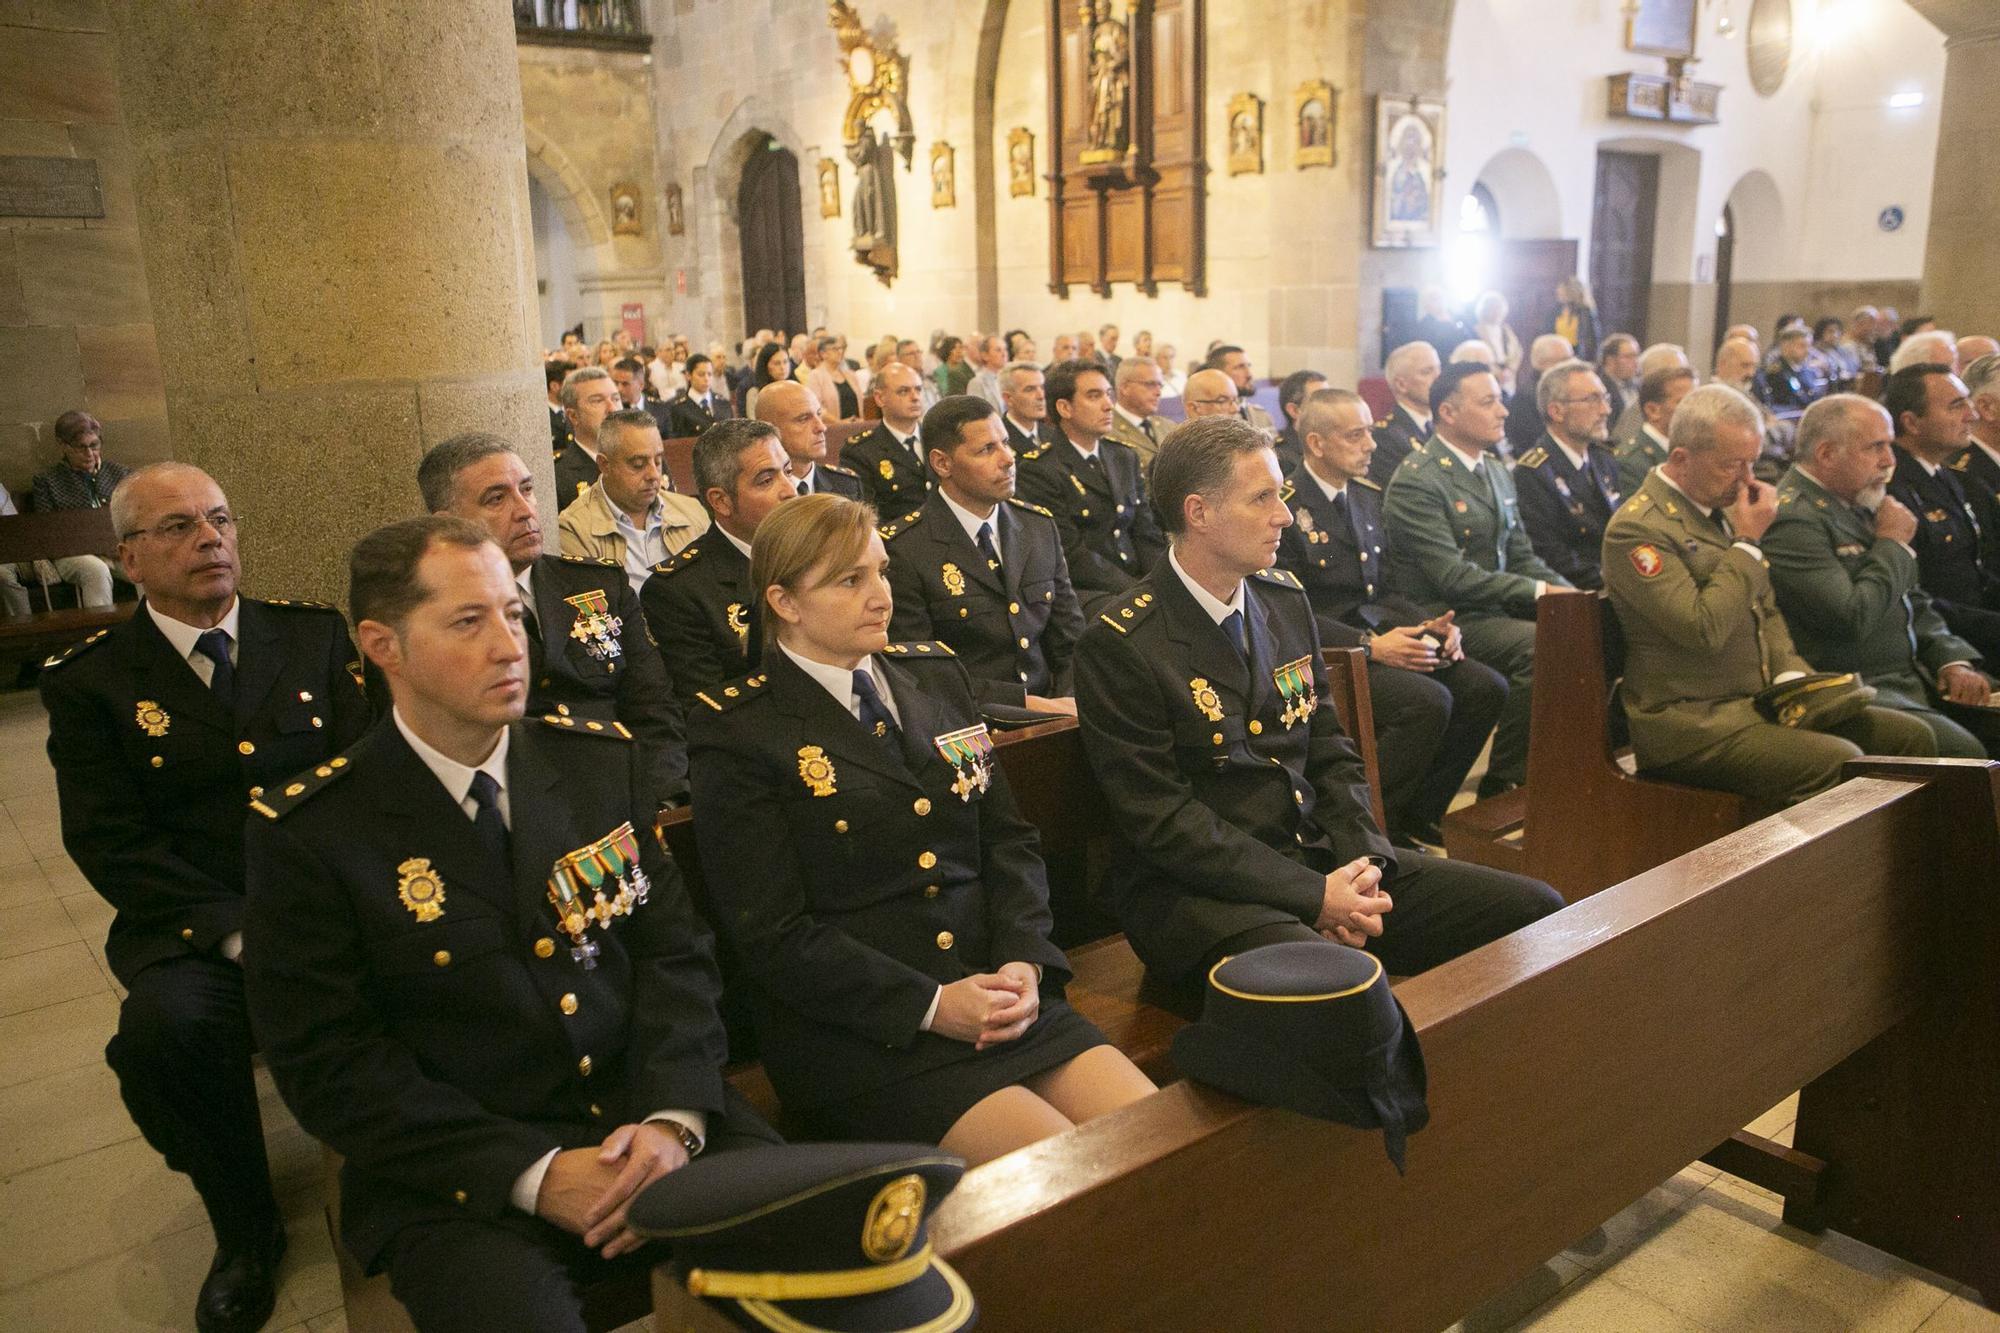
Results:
x,y
1395,436
442,1057
1233,814
576,473
698,608
1020,442
1789,388
689,417
1013,629
1565,508
893,478
153,771
1339,561
1109,535
1964,590
1703,633
854,882
560,438
1979,477
1144,445
1636,457
1456,540
833,479
1852,601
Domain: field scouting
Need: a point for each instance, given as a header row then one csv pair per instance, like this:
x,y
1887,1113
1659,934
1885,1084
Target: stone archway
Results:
x,y
582,217
711,213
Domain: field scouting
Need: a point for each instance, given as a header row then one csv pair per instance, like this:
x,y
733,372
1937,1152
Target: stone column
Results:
x,y
1962,248
333,207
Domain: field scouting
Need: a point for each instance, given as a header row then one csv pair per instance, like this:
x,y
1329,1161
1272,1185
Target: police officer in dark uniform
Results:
x,y
698,406
1200,694
160,729
1933,416
868,865
888,459
589,395
698,603
1567,484
1411,370
560,437
793,410
1093,486
982,570
589,651
1292,394
476,975
1433,707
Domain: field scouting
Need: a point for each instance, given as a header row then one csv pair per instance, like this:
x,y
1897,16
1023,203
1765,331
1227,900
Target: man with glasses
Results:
x,y
1210,393
164,730
84,479
1568,482
1135,416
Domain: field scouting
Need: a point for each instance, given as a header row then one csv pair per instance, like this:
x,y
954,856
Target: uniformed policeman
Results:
x,y
698,603
1568,481
160,729
1201,697
866,860
794,411
889,459
1456,544
983,571
588,396
589,654
474,973
1292,394
1703,633
1411,370
1093,486
1846,578
1978,468
1433,707
1933,416
1660,392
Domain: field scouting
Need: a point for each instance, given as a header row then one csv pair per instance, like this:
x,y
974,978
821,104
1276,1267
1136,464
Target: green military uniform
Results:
x,y
1636,457
1703,634
1853,601
1456,543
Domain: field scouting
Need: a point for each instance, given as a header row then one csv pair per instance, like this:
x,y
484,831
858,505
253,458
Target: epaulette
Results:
x,y
1287,492
298,604
741,691
1123,617
1032,454
918,650
73,650
1535,457
1368,482
1416,460
277,802
1383,424
1284,578
564,720
585,561
675,563
1636,503
843,471
1029,505
909,520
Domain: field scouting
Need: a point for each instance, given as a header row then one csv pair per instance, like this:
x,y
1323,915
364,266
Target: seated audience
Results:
x,y
1932,412
1925,346
1568,482
1234,362
1858,346
1618,367
1490,327
1978,468
630,518
1411,370
1790,382
701,404
1832,356
1135,414
1660,356
13,593
1524,414
1576,317
990,356
1435,322
793,410
588,396
1293,391
911,353
889,459
1210,393
83,478
1176,377
772,365
1660,393
1024,409
1974,346
629,375
955,369
555,372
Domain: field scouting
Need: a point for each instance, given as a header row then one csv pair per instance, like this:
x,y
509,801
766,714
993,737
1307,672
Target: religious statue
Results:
x,y
1110,82
874,243
877,77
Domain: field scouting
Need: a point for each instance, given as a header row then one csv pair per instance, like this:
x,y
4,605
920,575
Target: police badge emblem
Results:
x,y
595,627
954,580
1304,518
887,469
816,770
153,718
1205,698
421,888
739,622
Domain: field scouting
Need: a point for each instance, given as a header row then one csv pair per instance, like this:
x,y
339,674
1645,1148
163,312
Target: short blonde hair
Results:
x,y
800,536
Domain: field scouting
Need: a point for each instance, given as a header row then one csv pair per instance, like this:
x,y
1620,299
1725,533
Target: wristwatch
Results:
x,y
1368,647
687,1136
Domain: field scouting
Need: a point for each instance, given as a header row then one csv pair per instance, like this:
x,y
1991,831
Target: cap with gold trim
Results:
x,y
808,1237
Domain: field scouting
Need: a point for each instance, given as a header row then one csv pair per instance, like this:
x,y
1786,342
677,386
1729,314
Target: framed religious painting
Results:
x,y
1021,162
944,182
1246,135
625,209
1661,28
829,188
1312,124
1409,172
676,222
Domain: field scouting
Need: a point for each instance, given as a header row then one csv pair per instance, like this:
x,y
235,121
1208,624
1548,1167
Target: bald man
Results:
x,y
1524,413
1210,393
889,459
1411,370
794,410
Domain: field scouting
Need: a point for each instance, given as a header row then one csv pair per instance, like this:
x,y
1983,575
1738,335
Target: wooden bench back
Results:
x,y
680,452
57,533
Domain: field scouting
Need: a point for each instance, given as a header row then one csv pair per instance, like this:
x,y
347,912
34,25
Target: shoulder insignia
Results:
x,y
582,561
612,563
916,650
1288,492
903,524
1416,460
1368,482
1029,505
673,564
735,693
564,720
1535,457
74,649
298,604
843,471
1133,610
1032,454
1637,503
360,676
1284,578
278,801
1382,424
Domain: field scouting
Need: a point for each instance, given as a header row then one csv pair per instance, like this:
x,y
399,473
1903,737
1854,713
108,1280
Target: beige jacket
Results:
x,y
589,526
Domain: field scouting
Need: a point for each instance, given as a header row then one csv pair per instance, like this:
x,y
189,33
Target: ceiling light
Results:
x,y
1905,101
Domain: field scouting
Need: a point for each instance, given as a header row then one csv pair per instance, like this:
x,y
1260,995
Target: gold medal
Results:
x,y
1205,698
421,888
954,580
816,769
739,621
887,469
153,718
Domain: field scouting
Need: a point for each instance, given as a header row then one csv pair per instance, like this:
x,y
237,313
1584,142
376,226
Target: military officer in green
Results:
x,y
1846,576
1703,634
1457,543
1659,394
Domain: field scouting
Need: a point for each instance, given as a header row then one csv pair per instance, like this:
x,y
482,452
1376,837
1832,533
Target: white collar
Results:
x,y
1987,449
904,440
526,578
1217,611
807,479
839,682
1331,492
456,777
1658,438
1579,461
1699,509
1032,432
1463,457
1083,453
183,635
1423,422
1139,422
1930,468
733,539
972,522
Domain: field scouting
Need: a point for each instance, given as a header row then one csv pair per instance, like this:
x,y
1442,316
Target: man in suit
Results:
x,y
1456,543
793,411
889,459
632,515
1292,394
1411,370
1093,486
589,656
160,730
1933,415
1845,569
588,396
982,571
1235,362
560,439
1625,428
1568,482
476,975
1135,413
698,406
1107,349
1433,706
1024,407
1660,392
1703,632
1200,697
629,374
1978,467
1524,414
1618,367
699,603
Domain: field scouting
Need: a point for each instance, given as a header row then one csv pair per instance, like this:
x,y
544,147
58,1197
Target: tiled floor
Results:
x,y
97,1236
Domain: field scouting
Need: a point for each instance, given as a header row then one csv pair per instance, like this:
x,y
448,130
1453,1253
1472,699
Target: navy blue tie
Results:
x,y
1232,625
986,546
874,715
488,825
214,645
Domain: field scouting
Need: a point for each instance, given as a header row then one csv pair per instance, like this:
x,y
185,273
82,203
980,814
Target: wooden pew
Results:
x,y
680,451
1584,820
1844,947
51,536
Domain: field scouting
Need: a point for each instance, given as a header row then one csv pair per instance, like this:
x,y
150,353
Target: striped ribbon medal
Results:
x,y
969,751
1295,687
598,883
595,627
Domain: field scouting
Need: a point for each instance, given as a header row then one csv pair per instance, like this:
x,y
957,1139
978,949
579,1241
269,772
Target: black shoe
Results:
x,y
242,1285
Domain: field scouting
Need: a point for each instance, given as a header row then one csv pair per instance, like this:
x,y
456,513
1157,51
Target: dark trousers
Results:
x,y
1429,730
182,1055
1442,909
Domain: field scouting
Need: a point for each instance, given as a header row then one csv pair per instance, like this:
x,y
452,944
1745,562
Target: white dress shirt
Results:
x,y
182,636
1217,611
972,522
643,549
1477,467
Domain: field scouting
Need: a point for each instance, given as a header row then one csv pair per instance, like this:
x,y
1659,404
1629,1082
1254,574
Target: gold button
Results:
x,y
840,826
318,723
159,762
442,958
1256,727
293,789
322,772
305,696
583,1066
927,860
255,792
188,933
1013,608
458,1196
336,763
596,1110
245,747
1085,513
545,947
945,940
930,890
1048,597
1024,643
563,709
594,726
923,805
1217,738
1298,796
568,1003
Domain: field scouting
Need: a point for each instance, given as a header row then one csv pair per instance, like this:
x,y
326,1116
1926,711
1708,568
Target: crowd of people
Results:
x,y
475,972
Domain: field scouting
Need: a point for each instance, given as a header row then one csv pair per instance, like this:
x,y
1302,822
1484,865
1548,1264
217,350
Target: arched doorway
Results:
x,y
1516,197
559,300
772,229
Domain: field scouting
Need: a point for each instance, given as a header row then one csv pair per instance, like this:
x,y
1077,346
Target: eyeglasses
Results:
x,y
179,527
1604,398
1213,402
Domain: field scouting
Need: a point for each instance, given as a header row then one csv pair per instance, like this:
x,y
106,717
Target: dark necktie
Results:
x,y
1146,424
487,823
214,645
1340,509
805,488
874,715
1232,625
986,546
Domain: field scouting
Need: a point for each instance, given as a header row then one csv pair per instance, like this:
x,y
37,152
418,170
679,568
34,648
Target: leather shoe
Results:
x,y
242,1285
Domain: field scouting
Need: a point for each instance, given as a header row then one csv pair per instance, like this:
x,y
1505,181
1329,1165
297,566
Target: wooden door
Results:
x,y
773,233
1725,271
1621,240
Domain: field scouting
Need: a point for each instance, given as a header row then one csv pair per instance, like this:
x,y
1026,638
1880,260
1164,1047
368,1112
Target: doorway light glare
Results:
x,y
1905,101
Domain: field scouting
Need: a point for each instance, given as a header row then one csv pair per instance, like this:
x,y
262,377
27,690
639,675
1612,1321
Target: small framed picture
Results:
x,y
676,223
1246,135
1409,171
829,188
1021,162
1312,124
944,186
625,209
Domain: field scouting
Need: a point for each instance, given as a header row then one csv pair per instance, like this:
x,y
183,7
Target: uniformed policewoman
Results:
x,y
865,859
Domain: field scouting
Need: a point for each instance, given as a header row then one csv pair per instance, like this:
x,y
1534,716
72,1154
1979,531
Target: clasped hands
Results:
x,y
1423,647
1352,909
990,1007
586,1191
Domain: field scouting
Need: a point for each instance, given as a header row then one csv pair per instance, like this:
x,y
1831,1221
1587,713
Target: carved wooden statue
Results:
x,y
1110,81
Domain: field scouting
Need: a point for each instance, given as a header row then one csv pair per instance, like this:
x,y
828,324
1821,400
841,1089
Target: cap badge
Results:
x,y
890,1228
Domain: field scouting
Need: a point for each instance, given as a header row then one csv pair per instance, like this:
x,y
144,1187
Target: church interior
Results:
x,y
1746,1078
